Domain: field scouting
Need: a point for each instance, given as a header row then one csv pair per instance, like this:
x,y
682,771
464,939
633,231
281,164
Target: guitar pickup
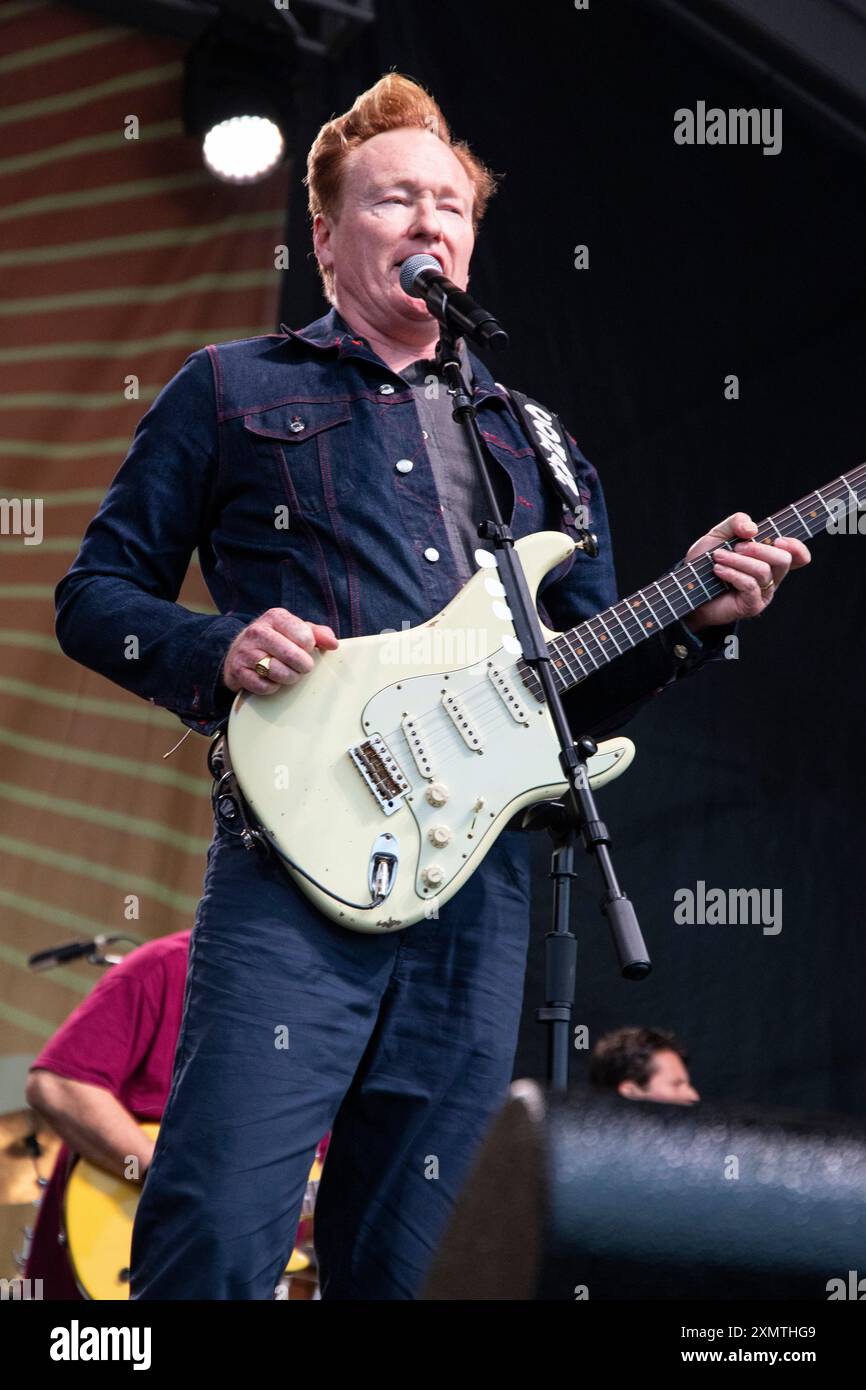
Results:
x,y
454,707
504,684
416,747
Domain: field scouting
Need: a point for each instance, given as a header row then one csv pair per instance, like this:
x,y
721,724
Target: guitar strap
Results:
x,y
545,433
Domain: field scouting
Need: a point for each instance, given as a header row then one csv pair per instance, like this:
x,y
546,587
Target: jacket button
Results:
x,y
386,389
296,425
404,465
431,553
680,652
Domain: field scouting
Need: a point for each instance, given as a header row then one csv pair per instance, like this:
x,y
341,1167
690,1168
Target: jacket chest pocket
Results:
x,y
308,444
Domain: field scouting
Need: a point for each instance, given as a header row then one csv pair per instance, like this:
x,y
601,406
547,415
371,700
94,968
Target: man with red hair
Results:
x,y
401,1043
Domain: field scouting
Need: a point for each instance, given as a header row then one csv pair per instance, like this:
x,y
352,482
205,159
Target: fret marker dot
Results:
x,y
648,623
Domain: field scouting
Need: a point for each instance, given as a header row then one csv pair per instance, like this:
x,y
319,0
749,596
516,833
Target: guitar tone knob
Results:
x,y
433,876
437,793
439,835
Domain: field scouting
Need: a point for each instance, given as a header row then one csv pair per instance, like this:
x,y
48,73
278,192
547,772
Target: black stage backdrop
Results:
x,y
703,262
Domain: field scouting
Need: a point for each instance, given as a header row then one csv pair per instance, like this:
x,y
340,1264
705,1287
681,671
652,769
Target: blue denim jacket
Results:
x,y
314,421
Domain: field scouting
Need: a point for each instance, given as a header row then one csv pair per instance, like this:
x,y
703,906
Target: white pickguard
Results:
x,y
290,752
480,784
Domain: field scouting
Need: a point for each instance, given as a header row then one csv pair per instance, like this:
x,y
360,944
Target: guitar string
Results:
x,y
492,702
482,712
440,742
792,519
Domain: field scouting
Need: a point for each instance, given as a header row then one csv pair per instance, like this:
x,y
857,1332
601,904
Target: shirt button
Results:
x,y
386,389
431,553
404,465
424,434
680,652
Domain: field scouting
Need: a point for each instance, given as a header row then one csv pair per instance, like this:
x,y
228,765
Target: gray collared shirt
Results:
x,y
460,491
461,495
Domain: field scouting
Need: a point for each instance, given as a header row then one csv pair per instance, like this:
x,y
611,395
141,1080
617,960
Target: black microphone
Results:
x,y
58,955
421,277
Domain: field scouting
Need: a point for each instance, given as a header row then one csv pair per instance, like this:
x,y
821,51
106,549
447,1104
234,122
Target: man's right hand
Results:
x,y
286,639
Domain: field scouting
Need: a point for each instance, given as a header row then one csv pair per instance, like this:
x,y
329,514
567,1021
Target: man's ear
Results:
x,y
629,1090
322,240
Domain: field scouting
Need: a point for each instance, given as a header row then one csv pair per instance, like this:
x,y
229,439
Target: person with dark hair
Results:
x,y
643,1064
105,1071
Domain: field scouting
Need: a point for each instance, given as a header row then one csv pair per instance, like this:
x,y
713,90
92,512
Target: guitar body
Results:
x,y
437,715
98,1214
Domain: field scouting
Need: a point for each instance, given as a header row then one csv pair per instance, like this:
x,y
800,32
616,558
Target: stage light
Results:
x,y
243,149
238,98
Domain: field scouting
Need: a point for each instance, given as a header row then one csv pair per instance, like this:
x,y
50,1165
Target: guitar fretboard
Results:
x,y
592,644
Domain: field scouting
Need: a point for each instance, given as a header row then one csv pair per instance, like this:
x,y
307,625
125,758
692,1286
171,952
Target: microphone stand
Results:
x,y
577,813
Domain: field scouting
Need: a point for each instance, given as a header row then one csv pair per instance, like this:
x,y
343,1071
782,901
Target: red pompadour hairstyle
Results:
x,y
394,102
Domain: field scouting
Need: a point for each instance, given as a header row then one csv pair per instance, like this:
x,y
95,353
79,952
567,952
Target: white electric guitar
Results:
x,y
383,777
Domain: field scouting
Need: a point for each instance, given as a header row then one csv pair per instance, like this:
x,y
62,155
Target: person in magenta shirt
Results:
x,y
121,1039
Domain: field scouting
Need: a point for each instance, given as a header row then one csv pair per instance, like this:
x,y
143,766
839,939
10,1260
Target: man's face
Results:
x,y
669,1082
403,192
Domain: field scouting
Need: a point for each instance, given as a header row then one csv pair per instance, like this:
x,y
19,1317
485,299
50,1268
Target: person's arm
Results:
x,y
91,1121
79,1077
116,609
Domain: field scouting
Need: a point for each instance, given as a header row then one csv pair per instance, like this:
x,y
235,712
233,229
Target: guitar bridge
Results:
x,y
381,771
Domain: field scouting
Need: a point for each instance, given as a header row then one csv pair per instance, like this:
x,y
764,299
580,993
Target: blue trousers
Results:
x,y
401,1044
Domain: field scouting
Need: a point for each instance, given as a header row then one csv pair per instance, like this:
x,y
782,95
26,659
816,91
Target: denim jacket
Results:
x,y
312,421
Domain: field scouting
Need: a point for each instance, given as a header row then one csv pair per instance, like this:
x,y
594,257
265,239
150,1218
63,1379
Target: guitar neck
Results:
x,y
584,649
